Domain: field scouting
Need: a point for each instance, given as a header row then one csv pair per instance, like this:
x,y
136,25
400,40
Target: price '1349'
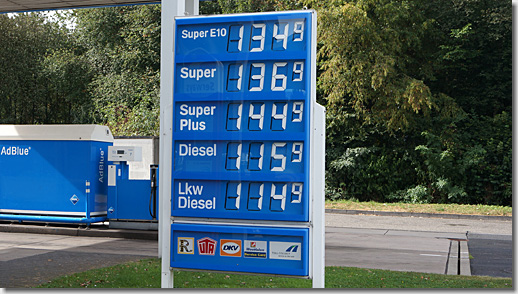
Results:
x,y
282,33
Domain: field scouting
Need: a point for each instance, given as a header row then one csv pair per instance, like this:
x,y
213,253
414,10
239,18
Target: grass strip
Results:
x,y
146,274
492,210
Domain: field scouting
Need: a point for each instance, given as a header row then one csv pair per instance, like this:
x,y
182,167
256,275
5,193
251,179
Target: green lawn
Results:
x,y
146,274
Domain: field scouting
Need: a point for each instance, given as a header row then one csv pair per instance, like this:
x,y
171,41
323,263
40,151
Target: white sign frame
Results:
x,y
170,9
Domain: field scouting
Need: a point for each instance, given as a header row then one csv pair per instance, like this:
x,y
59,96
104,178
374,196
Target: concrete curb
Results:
x,y
458,258
97,231
416,214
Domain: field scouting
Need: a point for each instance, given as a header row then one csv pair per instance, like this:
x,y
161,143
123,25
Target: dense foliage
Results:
x,y
122,45
418,93
431,121
44,77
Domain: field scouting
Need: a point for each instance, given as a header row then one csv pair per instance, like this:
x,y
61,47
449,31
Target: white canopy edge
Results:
x,y
55,133
7,6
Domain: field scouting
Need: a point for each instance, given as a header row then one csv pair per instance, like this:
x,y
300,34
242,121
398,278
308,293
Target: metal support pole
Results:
x,y
318,176
318,230
170,9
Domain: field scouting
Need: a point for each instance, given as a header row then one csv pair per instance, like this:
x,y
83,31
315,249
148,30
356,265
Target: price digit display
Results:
x,y
242,96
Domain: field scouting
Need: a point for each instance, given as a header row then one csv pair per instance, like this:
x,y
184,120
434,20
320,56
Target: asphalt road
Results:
x,y
426,252
27,260
489,241
492,255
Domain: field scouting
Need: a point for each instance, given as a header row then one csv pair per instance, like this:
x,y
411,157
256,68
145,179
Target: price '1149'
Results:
x,y
275,193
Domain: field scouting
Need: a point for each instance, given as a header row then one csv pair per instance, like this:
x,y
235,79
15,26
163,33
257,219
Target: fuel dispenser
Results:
x,y
132,203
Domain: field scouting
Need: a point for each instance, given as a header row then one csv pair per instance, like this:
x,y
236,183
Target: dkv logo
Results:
x,y
230,248
14,151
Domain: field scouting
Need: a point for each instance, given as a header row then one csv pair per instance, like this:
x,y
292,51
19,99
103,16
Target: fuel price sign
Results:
x,y
246,128
242,109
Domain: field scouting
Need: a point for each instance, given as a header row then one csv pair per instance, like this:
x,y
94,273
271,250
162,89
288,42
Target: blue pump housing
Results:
x,y
54,173
130,199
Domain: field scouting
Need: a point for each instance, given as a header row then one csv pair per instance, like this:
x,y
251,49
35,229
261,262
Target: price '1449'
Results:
x,y
255,120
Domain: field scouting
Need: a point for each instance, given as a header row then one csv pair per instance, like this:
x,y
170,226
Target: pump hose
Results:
x,y
150,202
152,196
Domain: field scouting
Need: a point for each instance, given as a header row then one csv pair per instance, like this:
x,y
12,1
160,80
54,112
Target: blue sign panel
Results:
x,y
236,248
242,103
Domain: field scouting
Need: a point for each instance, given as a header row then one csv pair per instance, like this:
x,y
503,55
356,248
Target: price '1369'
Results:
x,y
277,75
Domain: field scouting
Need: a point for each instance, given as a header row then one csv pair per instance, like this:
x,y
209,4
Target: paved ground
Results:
x,y
385,242
492,255
421,224
28,260
389,249
401,243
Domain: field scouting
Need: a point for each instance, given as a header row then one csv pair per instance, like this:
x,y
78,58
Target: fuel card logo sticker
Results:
x,y
185,245
256,249
230,248
285,250
207,246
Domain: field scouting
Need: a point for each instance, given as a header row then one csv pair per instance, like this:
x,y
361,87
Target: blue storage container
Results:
x,y
54,173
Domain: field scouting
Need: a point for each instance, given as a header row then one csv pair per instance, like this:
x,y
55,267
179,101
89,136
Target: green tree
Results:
x,y
243,6
66,77
473,67
369,55
393,70
29,40
373,80
475,53
123,48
